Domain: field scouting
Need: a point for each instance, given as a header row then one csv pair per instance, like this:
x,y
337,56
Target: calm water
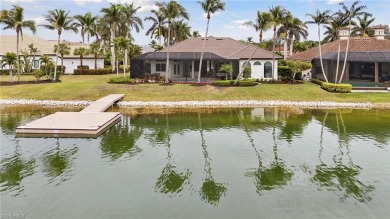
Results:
x,y
226,163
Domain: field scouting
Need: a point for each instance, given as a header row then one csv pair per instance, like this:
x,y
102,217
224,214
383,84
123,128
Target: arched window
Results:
x,y
268,70
257,63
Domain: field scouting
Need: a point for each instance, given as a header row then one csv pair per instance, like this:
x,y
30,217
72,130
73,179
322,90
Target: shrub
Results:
x,y
38,74
246,83
59,68
317,81
269,81
222,83
338,88
121,80
285,72
92,71
83,67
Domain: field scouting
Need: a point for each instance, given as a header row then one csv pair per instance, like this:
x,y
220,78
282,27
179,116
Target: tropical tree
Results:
x,y
180,31
33,51
102,33
320,18
14,19
121,44
87,25
261,24
112,17
81,52
350,13
46,63
59,20
9,59
157,29
196,33
294,29
25,61
64,49
277,15
332,29
209,7
227,68
96,51
130,21
363,28
171,11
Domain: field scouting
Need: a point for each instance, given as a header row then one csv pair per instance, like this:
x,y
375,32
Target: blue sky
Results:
x,y
227,23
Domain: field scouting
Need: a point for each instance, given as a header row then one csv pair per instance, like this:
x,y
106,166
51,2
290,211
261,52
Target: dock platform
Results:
x,y
90,122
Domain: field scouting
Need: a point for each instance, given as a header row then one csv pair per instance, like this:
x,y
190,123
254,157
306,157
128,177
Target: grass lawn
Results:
x,y
88,87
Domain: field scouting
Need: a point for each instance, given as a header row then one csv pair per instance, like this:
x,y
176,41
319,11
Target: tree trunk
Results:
x,y
201,54
62,63
168,43
338,61
125,58
10,73
285,48
95,62
291,45
81,63
112,46
58,48
346,53
17,54
273,53
124,66
319,46
117,67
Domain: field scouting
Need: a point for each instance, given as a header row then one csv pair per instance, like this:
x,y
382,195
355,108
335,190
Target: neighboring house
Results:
x,y
368,57
185,56
46,47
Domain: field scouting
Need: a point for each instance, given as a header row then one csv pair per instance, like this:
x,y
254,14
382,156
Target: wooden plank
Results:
x,y
104,103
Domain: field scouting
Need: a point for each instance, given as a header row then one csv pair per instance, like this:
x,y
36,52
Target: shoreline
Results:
x,y
200,104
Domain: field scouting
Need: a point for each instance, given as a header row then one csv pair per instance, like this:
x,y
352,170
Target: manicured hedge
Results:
x,y
222,83
121,80
285,72
338,88
92,71
245,83
316,81
226,83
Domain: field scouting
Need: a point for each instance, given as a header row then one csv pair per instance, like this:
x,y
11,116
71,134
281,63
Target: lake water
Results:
x,y
222,163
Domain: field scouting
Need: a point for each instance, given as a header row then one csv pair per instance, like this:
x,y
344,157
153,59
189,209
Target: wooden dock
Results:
x,y
90,122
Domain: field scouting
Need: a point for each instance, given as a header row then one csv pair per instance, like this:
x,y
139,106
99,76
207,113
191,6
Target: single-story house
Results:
x,y
46,47
368,57
185,56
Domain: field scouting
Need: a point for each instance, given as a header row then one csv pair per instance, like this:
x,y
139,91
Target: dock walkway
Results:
x,y
89,122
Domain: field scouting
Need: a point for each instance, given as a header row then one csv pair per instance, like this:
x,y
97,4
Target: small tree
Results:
x,y
96,51
297,66
227,68
247,72
46,64
9,59
64,49
81,52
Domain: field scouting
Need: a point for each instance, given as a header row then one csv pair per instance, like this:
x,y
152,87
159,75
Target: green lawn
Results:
x,y
87,87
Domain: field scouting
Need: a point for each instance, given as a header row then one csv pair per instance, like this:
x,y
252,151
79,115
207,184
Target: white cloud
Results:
x,y
237,24
228,27
334,1
83,2
39,20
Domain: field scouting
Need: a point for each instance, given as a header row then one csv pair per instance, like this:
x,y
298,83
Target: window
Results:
x,y
257,63
196,66
160,66
36,63
268,70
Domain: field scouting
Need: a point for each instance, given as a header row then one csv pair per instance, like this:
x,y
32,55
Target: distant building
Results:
x,y
368,57
46,47
185,57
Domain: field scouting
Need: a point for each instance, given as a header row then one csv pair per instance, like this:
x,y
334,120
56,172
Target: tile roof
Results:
x,y
356,44
224,47
8,44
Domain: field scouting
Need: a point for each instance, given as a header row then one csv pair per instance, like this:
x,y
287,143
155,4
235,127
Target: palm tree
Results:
x,y
14,19
122,44
180,31
47,62
112,17
9,59
364,26
209,7
102,33
81,52
64,49
96,51
59,20
262,23
131,21
277,14
196,33
33,51
320,18
157,28
294,29
171,11
332,29
87,23
349,14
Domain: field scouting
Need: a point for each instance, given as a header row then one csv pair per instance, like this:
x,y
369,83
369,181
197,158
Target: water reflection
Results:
x,y
211,191
121,139
170,180
13,170
58,163
341,177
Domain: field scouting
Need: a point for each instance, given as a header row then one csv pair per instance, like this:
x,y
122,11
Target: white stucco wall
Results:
x,y
171,68
258,70
72,63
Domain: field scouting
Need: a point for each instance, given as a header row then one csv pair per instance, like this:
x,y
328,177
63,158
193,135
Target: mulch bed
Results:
x,y
8,83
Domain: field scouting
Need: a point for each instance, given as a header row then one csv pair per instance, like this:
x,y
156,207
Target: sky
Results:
x,y
222,24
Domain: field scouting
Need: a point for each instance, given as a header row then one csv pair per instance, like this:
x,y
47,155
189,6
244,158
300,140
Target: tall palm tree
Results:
x,y
81,52
363,28
87,24
63,49
122,44
9,59
131,21
320,18
332,29
180,31
171,11
261,24
196,33
209,7
112,17
14,19
157,28
33,51
294,29
96,51
277,15
102,33
59,20
350,13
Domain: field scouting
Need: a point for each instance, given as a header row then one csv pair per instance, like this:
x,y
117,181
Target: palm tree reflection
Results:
x,y
121,139
210,191
170,181
342,179
13,170
57,163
